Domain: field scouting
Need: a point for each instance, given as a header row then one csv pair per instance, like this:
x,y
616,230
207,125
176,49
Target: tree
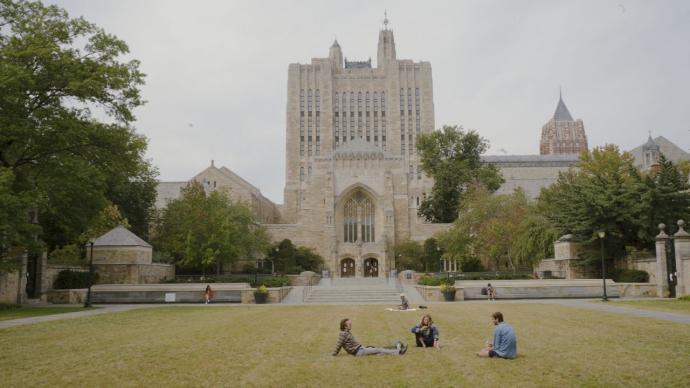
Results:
x,y
670,199
432,255
289,258
15,230
200,230
408,255
486,228
453,158
606,194
66,114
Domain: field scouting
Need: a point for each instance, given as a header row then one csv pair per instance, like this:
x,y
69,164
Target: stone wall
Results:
x,y
647,264
121,255
71,296
134,273
10,287
637,290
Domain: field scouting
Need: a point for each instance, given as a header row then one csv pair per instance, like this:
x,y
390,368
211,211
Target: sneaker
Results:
x,y
403,349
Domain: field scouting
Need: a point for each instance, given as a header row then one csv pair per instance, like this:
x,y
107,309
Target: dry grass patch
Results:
x,y
291,346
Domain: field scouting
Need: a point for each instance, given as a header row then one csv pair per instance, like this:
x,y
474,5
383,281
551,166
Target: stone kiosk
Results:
x,y
121,257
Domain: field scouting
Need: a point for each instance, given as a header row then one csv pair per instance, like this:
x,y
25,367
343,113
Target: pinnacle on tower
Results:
x,y
562,113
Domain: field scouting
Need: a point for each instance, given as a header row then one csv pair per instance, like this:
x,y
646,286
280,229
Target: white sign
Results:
x,y
169,297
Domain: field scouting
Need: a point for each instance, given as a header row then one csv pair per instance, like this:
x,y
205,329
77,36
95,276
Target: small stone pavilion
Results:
x,y
121,257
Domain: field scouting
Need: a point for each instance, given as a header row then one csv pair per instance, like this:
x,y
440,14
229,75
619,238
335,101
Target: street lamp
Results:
x,y
440,259
602,234
87,302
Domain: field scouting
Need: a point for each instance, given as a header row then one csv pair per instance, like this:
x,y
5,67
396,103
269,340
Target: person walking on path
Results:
x,y
426,333
348,342
505,342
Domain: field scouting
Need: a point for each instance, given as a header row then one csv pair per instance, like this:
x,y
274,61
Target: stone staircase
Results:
x,y
354,291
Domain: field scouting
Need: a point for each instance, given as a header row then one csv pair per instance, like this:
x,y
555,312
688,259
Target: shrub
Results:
x,y
684,298
275,281
629,276
73,279
429,281
471,264
262,290
4,306
68,254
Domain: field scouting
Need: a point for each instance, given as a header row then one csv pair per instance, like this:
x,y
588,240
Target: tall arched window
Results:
x,y
358,218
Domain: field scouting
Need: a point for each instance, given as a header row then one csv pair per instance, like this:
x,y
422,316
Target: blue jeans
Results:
x,y
363,351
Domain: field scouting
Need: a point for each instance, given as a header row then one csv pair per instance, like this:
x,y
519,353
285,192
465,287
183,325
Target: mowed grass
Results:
x,y
28,312
291,346
671,306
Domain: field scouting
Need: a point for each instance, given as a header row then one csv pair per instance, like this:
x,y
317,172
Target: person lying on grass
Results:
x,y
505,343
348,342
426,333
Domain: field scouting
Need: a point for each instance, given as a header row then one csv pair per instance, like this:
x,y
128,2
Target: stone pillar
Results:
x,y
661,266
682,245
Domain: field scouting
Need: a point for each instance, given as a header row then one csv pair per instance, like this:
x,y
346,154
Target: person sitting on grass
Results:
x,y
404,303
348,342
505,343
426,333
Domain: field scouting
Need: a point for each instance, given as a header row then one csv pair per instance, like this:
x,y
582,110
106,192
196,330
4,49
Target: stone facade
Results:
x,y
530,172
353,180
562,134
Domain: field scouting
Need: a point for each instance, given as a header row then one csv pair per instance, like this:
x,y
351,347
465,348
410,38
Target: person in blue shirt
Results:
x,y
505,343
426,333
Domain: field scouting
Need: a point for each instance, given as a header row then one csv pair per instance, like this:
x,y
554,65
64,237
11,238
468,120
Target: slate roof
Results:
x,y
562,113
120,237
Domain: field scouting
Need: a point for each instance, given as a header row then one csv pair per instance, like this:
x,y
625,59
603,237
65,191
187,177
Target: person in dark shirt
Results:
x,y
348,342
426,333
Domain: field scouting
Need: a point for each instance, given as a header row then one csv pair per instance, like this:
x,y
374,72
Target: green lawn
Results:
x,y
27,312
291,346
672,306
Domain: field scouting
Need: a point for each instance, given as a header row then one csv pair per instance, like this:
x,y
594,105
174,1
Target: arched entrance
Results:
x,y
371,268
347,268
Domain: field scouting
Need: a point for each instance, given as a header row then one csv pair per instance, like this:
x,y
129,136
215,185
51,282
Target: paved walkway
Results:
x,y
578,303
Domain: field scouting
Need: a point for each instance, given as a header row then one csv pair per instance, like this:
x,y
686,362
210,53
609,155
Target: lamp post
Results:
x,y
440,259
602,234
87,302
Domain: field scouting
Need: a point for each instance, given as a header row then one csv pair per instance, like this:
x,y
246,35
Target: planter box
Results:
x,y
260,298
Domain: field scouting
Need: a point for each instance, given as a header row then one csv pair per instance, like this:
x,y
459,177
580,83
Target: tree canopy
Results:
x,y
452,156
67,145
203,230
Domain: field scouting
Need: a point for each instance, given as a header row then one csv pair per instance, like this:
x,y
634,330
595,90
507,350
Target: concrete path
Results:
x,y
103,309
631,311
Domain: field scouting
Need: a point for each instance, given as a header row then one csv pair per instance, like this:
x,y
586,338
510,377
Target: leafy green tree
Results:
x,y
409,255
486,228
670,196
66,113
289,258
15,230
432,255
606,194
200,230
452,157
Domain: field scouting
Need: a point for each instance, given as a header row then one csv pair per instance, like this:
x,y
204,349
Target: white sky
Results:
x,y
221,66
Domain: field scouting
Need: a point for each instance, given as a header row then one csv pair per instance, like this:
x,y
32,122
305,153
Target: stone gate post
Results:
x,y
682,245
661,266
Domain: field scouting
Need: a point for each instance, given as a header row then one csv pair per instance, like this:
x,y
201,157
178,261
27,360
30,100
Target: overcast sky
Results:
x,y
217,70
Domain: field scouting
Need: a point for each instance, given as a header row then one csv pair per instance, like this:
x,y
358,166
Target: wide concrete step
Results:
x,y
353,295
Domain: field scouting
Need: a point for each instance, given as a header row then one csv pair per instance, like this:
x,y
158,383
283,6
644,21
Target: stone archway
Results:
x,y
371,268
347,268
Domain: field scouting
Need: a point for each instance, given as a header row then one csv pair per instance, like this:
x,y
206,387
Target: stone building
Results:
x,y
563,135
353,181
647,155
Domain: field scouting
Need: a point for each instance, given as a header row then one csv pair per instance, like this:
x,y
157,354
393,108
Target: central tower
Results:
x,y
352,172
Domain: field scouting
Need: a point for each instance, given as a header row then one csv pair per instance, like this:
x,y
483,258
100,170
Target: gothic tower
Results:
x,y
562,134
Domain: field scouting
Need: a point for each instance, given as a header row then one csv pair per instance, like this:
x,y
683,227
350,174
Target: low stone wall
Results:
x,y
645,264
539,289
434,294
71,296
166,293
303,279
134,273
636,290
